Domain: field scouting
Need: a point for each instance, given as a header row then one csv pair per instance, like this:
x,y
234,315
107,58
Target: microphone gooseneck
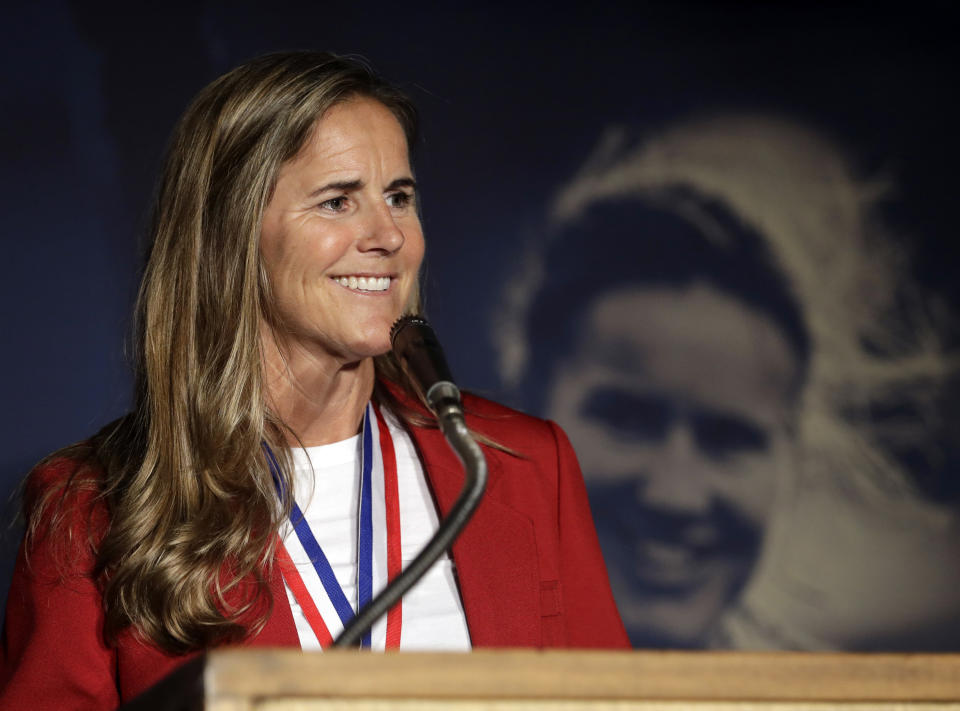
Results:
x,y
416,347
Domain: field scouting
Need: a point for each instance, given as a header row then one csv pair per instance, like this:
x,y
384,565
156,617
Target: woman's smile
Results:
x,y
367,284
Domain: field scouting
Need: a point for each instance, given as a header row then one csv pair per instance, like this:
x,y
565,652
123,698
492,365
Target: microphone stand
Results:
x,y
444,399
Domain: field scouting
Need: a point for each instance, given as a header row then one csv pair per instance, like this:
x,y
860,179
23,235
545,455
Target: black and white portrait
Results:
x,y
754,384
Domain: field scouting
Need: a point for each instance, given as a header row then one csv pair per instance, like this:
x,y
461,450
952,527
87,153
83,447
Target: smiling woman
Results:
x,y
676,368
278,468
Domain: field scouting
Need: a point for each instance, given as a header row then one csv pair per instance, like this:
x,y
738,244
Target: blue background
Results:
x,y
513,98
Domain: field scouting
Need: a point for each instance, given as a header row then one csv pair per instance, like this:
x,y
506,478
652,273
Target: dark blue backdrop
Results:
x,y
513,99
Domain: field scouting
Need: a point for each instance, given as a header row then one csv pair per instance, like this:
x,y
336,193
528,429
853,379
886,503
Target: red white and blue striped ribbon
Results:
x,y
378,544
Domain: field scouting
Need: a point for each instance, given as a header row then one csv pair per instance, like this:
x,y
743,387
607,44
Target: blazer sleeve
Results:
x,y
590,613
53,655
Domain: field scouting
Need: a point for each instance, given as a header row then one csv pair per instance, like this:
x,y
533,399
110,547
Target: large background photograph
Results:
x,y
716,242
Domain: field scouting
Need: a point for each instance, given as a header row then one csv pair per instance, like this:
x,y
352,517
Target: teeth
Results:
x,y
364,283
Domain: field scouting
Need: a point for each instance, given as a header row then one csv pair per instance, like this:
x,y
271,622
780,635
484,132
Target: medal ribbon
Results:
x,y
378,472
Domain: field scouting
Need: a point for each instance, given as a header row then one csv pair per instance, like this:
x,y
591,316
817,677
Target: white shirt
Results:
x,y
326,488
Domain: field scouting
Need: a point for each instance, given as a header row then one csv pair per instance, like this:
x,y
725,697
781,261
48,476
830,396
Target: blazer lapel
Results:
x,y
495,556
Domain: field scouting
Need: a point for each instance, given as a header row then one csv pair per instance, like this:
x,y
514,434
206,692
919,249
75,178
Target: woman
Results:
x,y
286,242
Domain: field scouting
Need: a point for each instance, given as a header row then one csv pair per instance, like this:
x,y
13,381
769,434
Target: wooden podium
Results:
x,y
523,680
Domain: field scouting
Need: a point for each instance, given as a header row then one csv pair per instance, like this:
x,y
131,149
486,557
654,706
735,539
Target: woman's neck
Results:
x,y
320,399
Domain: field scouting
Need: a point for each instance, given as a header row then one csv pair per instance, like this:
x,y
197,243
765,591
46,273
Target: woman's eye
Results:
x,y
399,199
334,204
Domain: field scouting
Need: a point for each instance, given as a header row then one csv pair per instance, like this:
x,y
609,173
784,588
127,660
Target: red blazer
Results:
x,y
528,564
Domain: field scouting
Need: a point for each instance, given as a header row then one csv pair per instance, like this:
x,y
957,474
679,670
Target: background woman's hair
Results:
x,y
193,510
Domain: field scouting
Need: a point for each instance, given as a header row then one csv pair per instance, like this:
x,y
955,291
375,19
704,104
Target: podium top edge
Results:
x,y
554,674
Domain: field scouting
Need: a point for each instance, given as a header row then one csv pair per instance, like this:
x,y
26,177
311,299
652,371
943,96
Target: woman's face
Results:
x,y
341,240
678,401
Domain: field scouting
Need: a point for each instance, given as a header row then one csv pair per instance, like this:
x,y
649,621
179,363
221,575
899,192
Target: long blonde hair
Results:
x,y
193,509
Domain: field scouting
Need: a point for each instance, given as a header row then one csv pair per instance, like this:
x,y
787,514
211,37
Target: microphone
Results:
x,y
416,346
418,350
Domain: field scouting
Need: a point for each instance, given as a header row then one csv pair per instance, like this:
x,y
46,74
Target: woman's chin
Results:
x,y
371,348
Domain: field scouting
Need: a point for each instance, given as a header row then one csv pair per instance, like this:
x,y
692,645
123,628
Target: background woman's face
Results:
x,y
677,401
341,239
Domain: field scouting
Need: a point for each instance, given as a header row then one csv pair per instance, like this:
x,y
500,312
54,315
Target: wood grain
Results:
x,y
519,675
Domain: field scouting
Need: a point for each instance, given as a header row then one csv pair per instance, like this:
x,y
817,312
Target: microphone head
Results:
x,y
416,347
401,324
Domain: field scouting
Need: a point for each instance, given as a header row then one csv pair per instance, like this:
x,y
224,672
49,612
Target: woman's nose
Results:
x,y
676,476
381,231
